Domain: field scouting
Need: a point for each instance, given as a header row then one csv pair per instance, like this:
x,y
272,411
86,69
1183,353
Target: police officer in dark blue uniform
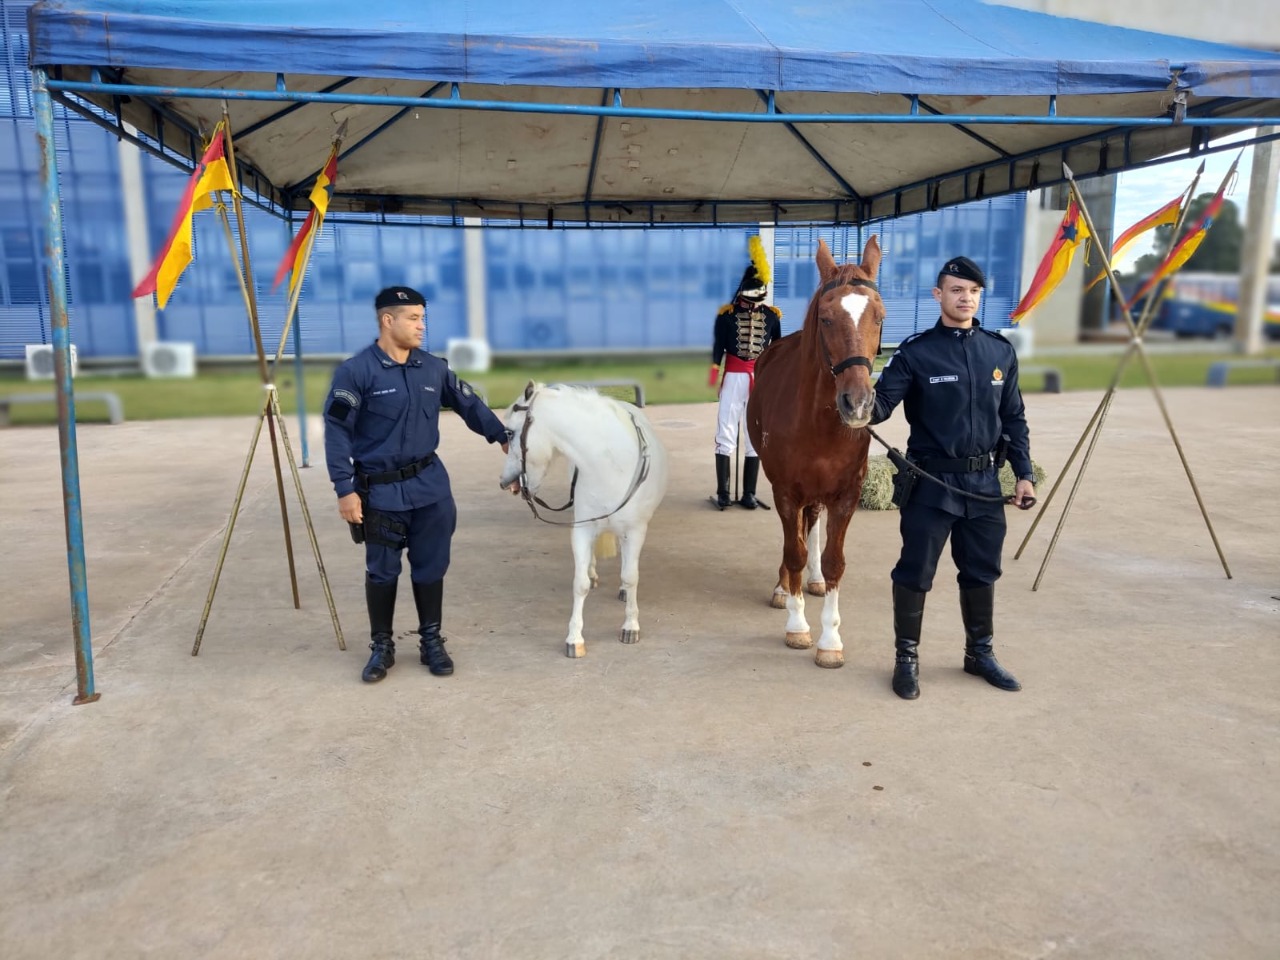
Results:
x,y
382,427
958,385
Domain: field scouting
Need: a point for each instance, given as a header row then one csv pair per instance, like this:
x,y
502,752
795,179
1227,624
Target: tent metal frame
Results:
x,y
1024,172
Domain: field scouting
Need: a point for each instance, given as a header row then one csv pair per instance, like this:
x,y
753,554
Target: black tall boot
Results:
x,y
429,598
722,480
908,617
750,473
977,607
380,598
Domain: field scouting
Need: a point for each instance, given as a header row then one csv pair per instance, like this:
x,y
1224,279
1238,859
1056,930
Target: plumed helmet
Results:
x,y
754,285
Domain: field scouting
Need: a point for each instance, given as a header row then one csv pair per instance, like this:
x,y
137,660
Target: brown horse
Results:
x,y
813,394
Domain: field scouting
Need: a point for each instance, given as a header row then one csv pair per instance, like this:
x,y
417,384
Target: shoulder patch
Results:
x,y
465,389
915,336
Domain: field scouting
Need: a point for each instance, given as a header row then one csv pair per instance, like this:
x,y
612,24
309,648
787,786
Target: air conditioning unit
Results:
x,y
169,359
1021,339
465,355
40,361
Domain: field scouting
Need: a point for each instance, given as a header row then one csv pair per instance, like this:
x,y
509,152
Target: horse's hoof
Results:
x,y
799,641
817,588
575,650
778,601
629,636
829,658
622,595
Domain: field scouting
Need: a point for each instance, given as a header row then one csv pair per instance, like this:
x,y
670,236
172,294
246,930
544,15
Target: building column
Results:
x,y
137,237
474,289
767,231
1257,247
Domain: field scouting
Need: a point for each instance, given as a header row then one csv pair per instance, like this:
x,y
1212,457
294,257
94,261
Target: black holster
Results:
x,y
378,528
904,481
1001,453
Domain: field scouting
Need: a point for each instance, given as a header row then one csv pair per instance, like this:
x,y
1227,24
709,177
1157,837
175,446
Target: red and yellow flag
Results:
x,y
1057,260
1168,214
1181,251
210,174
301,245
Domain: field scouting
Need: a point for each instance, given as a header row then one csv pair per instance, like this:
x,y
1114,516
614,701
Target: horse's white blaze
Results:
x,y
854,304
796,623
830,639
597,435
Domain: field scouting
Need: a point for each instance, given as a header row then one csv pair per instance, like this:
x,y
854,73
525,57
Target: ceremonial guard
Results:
x,y
743,329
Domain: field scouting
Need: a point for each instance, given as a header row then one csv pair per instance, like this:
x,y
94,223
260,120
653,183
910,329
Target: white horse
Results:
x,y
619,478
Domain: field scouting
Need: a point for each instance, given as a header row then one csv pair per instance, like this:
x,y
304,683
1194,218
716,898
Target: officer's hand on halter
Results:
x,y
349,508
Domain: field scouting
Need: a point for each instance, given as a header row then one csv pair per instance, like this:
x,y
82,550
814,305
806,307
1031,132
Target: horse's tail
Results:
x,y
606,546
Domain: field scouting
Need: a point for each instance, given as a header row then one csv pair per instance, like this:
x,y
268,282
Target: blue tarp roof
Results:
x,y
903,46
678,144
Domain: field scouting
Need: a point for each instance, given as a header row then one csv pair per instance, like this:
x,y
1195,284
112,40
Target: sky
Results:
x,y
1140,192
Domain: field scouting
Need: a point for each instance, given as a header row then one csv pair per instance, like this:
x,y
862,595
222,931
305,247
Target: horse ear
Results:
x,y
528,390
871,257
826,263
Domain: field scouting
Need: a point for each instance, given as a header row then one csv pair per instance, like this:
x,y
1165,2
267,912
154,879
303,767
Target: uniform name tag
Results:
x,y
948,379
379,393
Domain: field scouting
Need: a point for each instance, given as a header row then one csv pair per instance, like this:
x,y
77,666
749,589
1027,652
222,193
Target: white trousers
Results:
x,y
734,390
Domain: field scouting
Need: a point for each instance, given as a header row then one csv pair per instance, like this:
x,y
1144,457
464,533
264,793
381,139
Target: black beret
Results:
x,y
965,269
399,297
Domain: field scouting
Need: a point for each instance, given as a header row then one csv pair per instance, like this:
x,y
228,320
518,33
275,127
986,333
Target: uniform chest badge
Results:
x,y
997,377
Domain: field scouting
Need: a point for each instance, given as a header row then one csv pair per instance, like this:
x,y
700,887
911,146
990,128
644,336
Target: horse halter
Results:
x,y
839,368
529,497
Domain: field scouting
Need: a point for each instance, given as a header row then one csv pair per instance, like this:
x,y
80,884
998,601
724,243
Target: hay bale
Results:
x,y
877,491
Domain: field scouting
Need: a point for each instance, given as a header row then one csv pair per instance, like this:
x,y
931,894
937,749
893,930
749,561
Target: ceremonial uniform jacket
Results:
x,y
745,334
381,416
959,391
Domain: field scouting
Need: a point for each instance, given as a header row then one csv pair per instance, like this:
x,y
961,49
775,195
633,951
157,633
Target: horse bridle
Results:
x,y
642,471
839,368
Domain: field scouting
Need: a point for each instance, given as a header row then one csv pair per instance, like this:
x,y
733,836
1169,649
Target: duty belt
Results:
x,y
366,480
959,465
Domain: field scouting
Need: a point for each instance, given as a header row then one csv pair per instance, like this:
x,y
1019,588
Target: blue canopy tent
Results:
x,y
666,112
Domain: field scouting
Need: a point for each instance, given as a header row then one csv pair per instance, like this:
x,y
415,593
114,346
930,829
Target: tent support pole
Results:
x,y
56,284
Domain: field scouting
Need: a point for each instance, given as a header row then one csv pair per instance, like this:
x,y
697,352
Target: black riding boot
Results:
x,y
722,480
380,598
908,616
429,598
977,607
750,473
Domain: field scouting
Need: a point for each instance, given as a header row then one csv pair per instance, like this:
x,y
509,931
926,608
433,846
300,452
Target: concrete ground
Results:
x,y
707,793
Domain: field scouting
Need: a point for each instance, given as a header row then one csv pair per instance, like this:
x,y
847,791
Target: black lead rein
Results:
x,y
902,463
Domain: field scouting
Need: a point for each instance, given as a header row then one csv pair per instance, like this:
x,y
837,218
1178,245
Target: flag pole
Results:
x,y
270,413
1135,347
1105,403
299,272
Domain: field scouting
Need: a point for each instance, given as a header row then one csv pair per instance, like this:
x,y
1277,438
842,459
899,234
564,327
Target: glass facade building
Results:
x,y
546,290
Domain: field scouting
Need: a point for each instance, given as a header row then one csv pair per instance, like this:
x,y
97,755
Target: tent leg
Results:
x,y
55,282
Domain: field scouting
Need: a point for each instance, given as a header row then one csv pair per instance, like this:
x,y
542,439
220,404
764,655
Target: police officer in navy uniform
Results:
x,y
382,428
958,385
743,329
